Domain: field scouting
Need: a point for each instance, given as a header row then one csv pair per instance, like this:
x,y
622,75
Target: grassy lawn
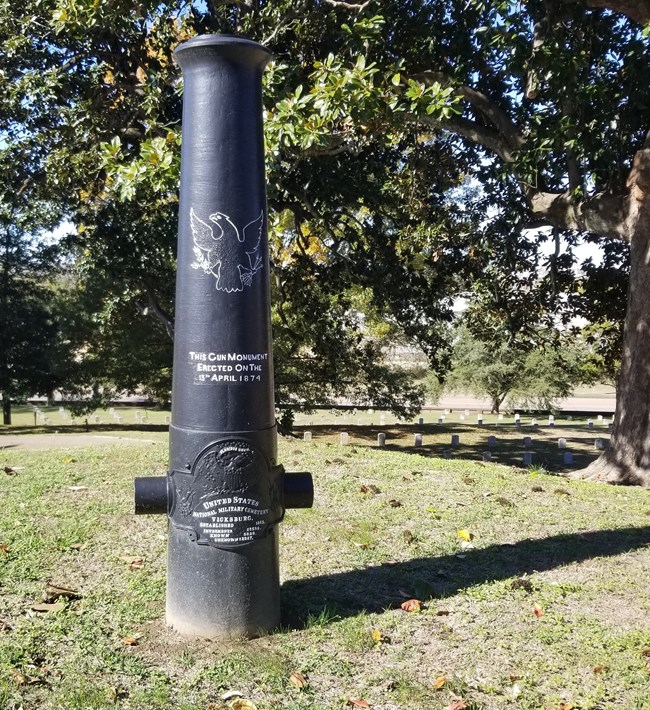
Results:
x,y
546,607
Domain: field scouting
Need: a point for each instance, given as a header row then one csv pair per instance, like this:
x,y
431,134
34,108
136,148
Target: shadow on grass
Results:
x,y
375,589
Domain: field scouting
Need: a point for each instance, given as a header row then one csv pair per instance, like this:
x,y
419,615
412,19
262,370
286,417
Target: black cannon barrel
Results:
x,y
226,492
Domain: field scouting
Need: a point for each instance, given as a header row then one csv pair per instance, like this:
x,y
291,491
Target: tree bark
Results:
x,y
627,460
6,410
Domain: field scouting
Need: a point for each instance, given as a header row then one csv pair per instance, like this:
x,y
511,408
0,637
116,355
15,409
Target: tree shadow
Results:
x,y
376,589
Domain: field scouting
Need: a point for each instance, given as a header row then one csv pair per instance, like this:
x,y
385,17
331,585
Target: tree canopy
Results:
x,y
375,114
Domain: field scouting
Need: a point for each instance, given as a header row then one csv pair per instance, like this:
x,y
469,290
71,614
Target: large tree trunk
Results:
x,y
627,460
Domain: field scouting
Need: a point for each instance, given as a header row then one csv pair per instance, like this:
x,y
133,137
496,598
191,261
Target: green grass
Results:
x,y
579,551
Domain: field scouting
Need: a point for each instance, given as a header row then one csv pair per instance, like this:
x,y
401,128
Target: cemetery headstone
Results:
x,y
418,440
567,458
599,444
455,440
527,458
487,456
561,443
344,438
381,440
492,441
306,436
528,441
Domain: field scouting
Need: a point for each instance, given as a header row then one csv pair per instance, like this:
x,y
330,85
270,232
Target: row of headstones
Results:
x,y
527,456
480,420
96,419
517,419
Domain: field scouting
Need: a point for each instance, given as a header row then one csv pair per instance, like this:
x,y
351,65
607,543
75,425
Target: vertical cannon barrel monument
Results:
x,y
225,492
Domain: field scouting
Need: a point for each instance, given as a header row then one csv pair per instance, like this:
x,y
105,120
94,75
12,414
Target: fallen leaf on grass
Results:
x,y
567,706
20,678
513,677
408,536
4,549
58,606
443,612
378,637
457,705
411,605
242,704
394,503
357,702
600,669
10,471
131,640
504,502
298,680
5,625
363,489
465,535
646,652
133,562
439,682
54,592
538,610
68,459
563,492
537,489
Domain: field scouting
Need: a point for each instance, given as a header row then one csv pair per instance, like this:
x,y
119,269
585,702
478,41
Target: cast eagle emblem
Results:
x,y
231,256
